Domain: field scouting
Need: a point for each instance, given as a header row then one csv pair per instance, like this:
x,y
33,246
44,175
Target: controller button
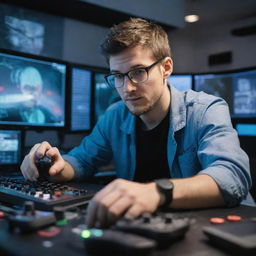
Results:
x,y
216,220
146,217
234,218
168,218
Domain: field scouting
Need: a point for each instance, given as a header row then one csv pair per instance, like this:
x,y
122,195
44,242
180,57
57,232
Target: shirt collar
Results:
x,y
178,109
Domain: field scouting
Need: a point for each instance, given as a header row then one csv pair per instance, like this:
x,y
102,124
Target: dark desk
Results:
x,y
68,243
195,242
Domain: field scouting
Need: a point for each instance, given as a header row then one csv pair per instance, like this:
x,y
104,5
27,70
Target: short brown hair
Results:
x,y
136,32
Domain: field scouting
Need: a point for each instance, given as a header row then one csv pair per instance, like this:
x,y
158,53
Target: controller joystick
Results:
x,y
43,165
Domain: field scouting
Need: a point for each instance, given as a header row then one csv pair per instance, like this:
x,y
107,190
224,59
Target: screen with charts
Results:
x,y
237,88
181,82
105,96
10,141
81,99
32,91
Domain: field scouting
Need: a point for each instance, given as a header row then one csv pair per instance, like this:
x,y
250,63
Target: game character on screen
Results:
x,y
23,102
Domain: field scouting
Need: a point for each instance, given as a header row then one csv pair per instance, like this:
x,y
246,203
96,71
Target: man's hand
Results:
x,y
28,167
121,197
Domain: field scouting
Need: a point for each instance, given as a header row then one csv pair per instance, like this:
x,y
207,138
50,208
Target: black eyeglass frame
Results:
x,y
128,74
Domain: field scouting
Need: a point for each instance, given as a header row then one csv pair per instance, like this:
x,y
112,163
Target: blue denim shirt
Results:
x,y
201,140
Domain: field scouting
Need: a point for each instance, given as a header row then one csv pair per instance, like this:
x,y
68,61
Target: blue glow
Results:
x,y
246,129
180,82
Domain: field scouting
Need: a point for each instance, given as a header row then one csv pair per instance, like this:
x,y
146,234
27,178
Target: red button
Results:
x,y
1,214
216,220
234,218
57,193
50,232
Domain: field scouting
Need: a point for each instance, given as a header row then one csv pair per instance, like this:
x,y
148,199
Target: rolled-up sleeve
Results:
x,y
220,154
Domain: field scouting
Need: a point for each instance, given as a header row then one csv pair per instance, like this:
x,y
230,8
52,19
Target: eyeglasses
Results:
x,y
137,75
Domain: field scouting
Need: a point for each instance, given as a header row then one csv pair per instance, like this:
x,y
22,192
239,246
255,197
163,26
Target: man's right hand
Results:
x,y
28,166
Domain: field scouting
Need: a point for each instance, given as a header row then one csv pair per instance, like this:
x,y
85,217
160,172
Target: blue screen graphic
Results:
x,y
81,100
32,91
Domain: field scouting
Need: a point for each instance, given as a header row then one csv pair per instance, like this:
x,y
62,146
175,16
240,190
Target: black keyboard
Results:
x,y
45,195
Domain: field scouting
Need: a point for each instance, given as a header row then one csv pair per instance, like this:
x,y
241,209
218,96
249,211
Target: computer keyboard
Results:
x,y
45,195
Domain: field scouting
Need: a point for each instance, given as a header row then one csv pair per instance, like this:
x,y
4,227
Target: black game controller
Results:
x,y
164,228
43,165
114,242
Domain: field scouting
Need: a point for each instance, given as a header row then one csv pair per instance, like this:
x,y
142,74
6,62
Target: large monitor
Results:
x,y
181,82
10,147
104,95
237,88
32,91
81,83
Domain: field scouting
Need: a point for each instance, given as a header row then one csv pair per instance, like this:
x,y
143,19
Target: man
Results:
x,y
155,132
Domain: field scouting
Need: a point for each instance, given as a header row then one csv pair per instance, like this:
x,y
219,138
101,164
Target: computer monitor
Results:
x,y
31,31
181,82
244,94
81,83
10,147
104,95
216,84
237,88
246,129
32,91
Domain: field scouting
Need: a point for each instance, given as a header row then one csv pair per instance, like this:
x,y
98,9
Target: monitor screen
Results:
x,y
237,88
180,82
32,91
29,31
10,145
246,129
81,99
244,94
104,95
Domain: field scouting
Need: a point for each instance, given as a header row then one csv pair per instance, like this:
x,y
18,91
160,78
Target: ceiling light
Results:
x,y
191,18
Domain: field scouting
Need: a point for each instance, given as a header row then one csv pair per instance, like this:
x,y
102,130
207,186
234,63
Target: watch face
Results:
x,y
165,184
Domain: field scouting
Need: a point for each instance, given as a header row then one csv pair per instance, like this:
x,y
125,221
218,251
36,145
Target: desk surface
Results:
x,y
195,242
65,243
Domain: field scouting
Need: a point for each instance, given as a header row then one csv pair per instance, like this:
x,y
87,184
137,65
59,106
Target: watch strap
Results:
x,y
165,188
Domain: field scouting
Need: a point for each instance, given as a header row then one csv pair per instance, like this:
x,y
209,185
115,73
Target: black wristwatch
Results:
x,y
165,188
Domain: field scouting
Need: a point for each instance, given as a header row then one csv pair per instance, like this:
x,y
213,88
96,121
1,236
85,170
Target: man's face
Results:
x,y
143,97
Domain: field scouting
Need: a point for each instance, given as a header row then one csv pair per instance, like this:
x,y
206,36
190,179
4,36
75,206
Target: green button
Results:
x,y
62,222
86,233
